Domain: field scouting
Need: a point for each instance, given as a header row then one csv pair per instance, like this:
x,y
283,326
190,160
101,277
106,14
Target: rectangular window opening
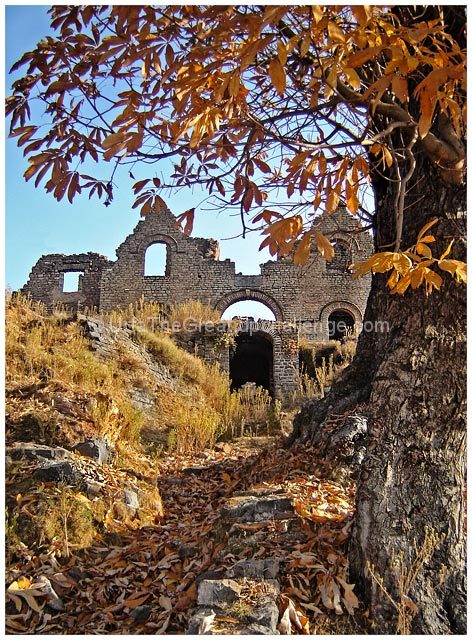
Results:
x,y
71,281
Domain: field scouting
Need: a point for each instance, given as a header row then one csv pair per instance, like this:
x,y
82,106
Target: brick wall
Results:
x,y
303,295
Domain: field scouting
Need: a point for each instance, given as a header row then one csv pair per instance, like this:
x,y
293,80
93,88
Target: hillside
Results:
x,y
137,502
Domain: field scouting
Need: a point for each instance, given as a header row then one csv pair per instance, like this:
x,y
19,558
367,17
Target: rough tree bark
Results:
x,y
411,485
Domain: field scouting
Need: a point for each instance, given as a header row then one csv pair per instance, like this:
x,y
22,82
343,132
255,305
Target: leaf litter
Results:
x,y
154,570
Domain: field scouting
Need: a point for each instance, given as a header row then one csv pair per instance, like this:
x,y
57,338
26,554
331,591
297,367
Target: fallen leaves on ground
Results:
x,y
153,571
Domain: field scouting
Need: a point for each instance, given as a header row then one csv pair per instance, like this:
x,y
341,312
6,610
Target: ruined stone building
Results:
x,y
305,300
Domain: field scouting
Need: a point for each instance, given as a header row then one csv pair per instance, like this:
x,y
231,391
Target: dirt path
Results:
x,y
146,581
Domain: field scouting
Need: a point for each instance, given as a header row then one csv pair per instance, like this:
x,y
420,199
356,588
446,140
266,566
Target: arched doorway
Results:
x,y
248,309
340,324
253,295
252,360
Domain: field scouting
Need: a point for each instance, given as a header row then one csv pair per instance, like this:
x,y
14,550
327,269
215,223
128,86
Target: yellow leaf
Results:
x,y
359,14
277,75
335,33
456,268
393,279
317,11
305,45
361,57
447,251
332,201
417,277
281,52
428,102
423,250
427,226
23,583
433,279
353,77
324,246
402,285
303,249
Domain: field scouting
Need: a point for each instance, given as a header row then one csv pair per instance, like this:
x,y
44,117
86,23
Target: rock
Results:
x,y
265,615
96,449
53,600
218,592
59,472
92,489
257,509
210,575
35,451
254,569
201,622
255,629
141,614
131,500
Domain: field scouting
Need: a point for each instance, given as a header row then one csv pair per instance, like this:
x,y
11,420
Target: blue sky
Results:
x,y
36,224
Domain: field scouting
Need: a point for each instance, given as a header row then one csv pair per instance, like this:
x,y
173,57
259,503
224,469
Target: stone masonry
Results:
x,y
302,298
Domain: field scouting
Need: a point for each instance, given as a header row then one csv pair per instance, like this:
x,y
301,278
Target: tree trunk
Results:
x,y
411,489
408,533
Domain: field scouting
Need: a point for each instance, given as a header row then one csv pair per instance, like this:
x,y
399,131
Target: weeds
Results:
x,y
195,310
405,575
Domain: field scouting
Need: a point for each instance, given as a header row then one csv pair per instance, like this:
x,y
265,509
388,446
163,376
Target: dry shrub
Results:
x,y
192,310
194,428
147,314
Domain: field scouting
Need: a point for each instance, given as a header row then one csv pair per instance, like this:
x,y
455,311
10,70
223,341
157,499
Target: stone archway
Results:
x,y
338,307
250,294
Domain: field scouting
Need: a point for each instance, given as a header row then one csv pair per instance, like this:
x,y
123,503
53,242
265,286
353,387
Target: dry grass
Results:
x,y
194,310
51,352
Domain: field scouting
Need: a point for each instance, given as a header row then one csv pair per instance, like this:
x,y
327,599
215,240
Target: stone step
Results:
x,y
254,508
237,607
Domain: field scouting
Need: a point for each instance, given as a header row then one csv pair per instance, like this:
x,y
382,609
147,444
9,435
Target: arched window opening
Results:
x,y
71,281
156,260
340,324
248,309
341,259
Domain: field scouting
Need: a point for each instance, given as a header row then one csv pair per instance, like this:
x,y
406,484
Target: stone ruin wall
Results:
x,y
305,294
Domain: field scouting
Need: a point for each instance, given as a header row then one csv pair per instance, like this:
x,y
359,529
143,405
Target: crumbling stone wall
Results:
x,y
46,280
303,296
193,271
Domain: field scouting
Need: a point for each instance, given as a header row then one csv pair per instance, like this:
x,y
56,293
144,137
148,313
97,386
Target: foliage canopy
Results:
x,y
283,112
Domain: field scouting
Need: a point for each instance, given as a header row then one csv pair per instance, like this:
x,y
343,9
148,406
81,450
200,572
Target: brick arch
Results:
x,y
157,238
250,294
341,305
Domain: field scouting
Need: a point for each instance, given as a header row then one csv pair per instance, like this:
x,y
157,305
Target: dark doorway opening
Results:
x,y
252,361
340,323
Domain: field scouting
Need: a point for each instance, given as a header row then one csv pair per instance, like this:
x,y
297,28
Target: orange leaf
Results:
x,y
277,75
324,246
303,249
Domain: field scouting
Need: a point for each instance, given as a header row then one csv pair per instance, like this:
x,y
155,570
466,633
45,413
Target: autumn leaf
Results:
x,y
324,246
303,249
277,75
